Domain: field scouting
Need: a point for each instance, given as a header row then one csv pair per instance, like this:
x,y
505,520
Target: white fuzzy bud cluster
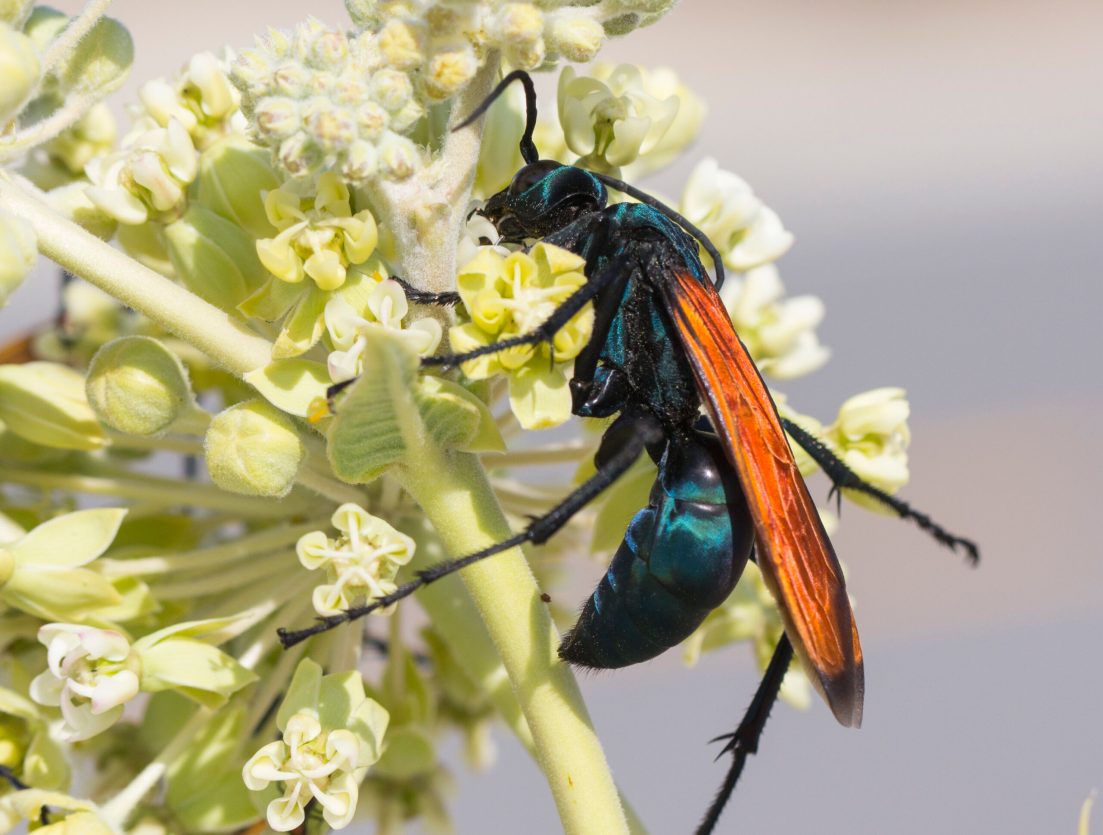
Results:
x,y
325,100
452,37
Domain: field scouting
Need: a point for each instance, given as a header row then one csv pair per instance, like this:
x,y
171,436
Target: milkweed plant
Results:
x,y
174,485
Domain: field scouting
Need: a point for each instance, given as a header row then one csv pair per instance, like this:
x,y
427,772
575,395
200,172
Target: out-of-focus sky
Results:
x,y
941,164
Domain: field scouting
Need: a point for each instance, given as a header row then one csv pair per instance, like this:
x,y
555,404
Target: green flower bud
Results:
x,y
215,258
18,253
15,12
252,448
19,71
138,386
234,173
44,402
44,25
101,60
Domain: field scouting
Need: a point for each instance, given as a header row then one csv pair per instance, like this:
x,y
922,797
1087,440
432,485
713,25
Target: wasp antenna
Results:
x,y
528,147
644,197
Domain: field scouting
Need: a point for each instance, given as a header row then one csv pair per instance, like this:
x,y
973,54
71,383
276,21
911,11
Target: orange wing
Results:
x,y
794,553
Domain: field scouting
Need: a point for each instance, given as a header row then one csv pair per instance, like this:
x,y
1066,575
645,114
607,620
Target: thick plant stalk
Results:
x,y
212,331
453,490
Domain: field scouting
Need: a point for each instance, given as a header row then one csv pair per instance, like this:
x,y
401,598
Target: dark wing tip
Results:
x,y
845,694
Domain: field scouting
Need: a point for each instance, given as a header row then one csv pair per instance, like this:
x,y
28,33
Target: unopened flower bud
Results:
x,y
43,25
575,35
18,253
138,386
15,12
449,71
19,71
44,402
400,44
253,449
101,60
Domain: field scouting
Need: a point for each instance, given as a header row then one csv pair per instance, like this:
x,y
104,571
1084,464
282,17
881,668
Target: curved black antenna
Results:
x,y
528,147
644,197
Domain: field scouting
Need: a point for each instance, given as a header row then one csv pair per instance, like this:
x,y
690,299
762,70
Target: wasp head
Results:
x,y
544,197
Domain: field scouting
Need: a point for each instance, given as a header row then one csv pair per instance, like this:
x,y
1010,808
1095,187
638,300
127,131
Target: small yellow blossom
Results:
x,y
319,236
507,295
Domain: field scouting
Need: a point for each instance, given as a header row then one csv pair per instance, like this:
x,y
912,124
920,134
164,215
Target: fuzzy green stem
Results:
x,y
326,486
263,542
147,488
240,575
214,332
455,494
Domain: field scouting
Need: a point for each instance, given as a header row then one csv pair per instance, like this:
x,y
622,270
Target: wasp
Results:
x,y
728,489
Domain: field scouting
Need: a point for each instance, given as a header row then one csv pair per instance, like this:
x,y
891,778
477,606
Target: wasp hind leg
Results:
x,y
844,478
744,740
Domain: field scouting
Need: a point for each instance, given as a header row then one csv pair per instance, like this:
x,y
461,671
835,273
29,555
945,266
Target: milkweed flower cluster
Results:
x,y
175,486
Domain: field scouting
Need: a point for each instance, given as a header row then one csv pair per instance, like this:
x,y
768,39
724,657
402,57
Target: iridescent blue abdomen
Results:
x,y
681,557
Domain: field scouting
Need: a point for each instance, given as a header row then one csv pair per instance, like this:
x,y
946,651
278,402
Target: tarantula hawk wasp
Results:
x,y
727,490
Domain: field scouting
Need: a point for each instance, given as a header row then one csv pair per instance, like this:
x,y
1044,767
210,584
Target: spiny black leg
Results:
x,y
844,478
744,741
446,299
544,333
9,775
541,529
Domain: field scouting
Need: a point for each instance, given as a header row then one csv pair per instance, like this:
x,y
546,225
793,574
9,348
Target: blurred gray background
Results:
x,y
941,164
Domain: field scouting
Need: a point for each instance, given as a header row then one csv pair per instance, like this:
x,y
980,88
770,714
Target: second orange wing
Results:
x,y
794,553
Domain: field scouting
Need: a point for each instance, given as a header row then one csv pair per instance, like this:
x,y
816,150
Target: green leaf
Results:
x,y
199,671
292,384
378,416
389,411
70,540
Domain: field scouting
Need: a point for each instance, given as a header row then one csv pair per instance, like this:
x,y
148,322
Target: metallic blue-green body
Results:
x,y
683,554
681,557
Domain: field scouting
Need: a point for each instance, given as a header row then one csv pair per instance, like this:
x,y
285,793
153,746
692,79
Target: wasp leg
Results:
x,y
844,478
447,299
545,332
610,467
18,785
744,740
